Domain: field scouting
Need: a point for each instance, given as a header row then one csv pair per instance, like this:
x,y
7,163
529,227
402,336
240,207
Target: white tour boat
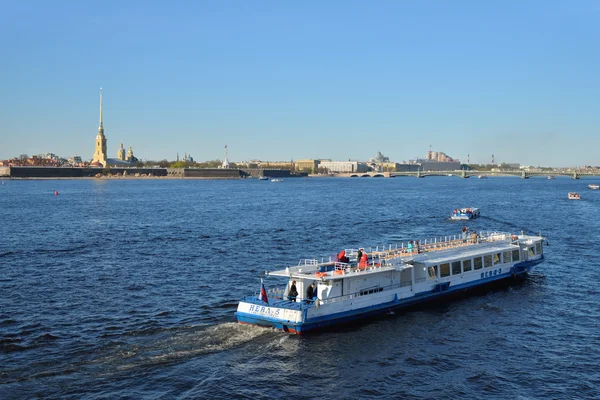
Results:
x,y
574,196
594,186
465,213
263,178
387,278
277,180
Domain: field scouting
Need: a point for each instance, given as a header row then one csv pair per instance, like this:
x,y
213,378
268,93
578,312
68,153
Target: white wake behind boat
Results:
x,y
388,279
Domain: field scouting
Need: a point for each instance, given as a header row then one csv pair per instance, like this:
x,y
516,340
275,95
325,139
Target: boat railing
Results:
x,y
363,292
308,262
436,244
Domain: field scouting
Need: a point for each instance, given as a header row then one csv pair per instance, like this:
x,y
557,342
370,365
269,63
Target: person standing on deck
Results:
x,y
410,247
310,292
293,293
363,263
359,255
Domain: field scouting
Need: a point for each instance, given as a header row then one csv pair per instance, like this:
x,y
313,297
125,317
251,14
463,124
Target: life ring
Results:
x,y
339,271
321,274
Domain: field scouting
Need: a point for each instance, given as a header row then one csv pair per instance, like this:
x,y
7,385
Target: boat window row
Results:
x,y
475,263
370,291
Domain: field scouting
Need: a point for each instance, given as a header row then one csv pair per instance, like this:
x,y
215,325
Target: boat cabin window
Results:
x,y
516,255
456,268
487,260
507,256
497,258
538,248
477,264
445,270
432,271
466,265
531,252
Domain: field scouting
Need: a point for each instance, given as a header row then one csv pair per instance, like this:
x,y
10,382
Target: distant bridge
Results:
x,y
365,175
467,174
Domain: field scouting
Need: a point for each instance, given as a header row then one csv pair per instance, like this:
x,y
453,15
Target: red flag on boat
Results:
x,y
263,293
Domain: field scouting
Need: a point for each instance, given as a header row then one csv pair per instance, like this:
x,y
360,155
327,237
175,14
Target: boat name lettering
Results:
x,y
489,274
256,309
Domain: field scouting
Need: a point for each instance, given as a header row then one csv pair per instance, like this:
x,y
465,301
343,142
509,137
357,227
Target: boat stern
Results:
x,y
284,315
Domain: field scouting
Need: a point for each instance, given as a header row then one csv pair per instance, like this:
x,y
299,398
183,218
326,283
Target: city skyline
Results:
x,y
318,80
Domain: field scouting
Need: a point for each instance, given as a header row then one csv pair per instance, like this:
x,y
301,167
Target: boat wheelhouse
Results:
x,y
387,279
574,196
465,213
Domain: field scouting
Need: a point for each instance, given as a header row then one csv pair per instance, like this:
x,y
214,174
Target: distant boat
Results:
x,y
550,177
465,213
276,180
263,178
594,186
574,196
482,177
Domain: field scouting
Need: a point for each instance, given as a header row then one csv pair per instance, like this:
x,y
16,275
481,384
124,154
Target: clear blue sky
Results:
x,y
276,80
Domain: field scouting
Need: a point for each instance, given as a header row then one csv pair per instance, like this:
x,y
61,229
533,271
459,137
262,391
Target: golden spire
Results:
x,y
100,106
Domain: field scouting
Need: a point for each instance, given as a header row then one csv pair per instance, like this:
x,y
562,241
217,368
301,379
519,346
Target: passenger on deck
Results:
x,y
310,292
293,293
359,254
474,237
363,263
410,247
342,257
465,234
416,247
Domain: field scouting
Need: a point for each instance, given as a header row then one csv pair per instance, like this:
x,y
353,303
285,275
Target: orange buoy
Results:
x,y
56,192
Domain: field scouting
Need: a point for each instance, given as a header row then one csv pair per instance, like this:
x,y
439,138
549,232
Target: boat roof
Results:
x,y
455,254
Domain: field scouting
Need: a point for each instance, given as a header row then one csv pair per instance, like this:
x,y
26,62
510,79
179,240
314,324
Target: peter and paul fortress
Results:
x,y
100,153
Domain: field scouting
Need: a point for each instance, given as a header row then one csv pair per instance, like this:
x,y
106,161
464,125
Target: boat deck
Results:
x,y
382,259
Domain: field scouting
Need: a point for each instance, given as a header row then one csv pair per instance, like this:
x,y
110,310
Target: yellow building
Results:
x,y
310,166
100,153
278,165
121,153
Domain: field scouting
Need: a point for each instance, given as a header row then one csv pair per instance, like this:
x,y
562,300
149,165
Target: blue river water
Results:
x,y
128,288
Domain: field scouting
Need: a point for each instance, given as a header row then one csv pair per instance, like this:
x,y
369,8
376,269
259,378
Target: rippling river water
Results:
x,y
127,288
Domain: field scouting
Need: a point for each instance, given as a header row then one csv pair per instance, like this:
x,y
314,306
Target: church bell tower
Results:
x,y
100,153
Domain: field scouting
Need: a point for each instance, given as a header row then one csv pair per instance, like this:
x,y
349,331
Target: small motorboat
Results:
x,y
550,177
594,186
574,196
482,177
263,178
276,180
465,213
